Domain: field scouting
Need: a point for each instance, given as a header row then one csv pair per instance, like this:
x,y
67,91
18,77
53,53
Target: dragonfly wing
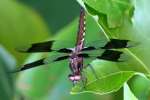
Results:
x,y
61,58
109,55
46,46
30,65
42,61
89,48
112,44
64,50
116,44
37,47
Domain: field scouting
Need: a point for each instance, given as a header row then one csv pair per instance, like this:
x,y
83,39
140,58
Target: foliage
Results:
x,y
19,25
129,29
6,83
122,19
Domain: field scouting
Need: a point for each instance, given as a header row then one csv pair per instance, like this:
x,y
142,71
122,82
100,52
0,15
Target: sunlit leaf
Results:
x,y
139,85
115,10
137,56
106,79
128,95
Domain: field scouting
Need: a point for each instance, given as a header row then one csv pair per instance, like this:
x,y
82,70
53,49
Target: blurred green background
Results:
x,y
28,21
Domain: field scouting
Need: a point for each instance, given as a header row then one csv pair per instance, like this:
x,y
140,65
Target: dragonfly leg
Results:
x,y
93,71
84,80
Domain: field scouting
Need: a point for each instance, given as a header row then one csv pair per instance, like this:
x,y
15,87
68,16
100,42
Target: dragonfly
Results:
x,y
76,55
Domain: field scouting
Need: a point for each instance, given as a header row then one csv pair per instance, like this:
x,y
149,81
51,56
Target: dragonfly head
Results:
x,y
74,78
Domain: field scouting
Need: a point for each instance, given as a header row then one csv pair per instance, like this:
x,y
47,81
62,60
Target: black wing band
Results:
x,y
112,44
84,55
38,47
38,63
109,55
30,65
43,47
116,44
61,58
89,48
64,50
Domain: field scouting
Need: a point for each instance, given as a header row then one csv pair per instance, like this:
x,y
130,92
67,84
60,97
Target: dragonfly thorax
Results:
x,y
75,66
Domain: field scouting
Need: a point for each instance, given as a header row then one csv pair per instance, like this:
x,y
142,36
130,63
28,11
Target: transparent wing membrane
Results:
x,y
30,65
61,58
47,46
109,55
103,52
37,63
112,44
64,50
37,47
64,46
56,58
116,44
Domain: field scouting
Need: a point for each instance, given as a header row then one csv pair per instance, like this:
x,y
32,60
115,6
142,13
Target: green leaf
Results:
x,y
128,95
107,78
19,25
115,10
139,85
136,59
138,54
7,62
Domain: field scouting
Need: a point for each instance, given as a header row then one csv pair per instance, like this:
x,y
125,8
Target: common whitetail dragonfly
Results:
x,y
77,54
